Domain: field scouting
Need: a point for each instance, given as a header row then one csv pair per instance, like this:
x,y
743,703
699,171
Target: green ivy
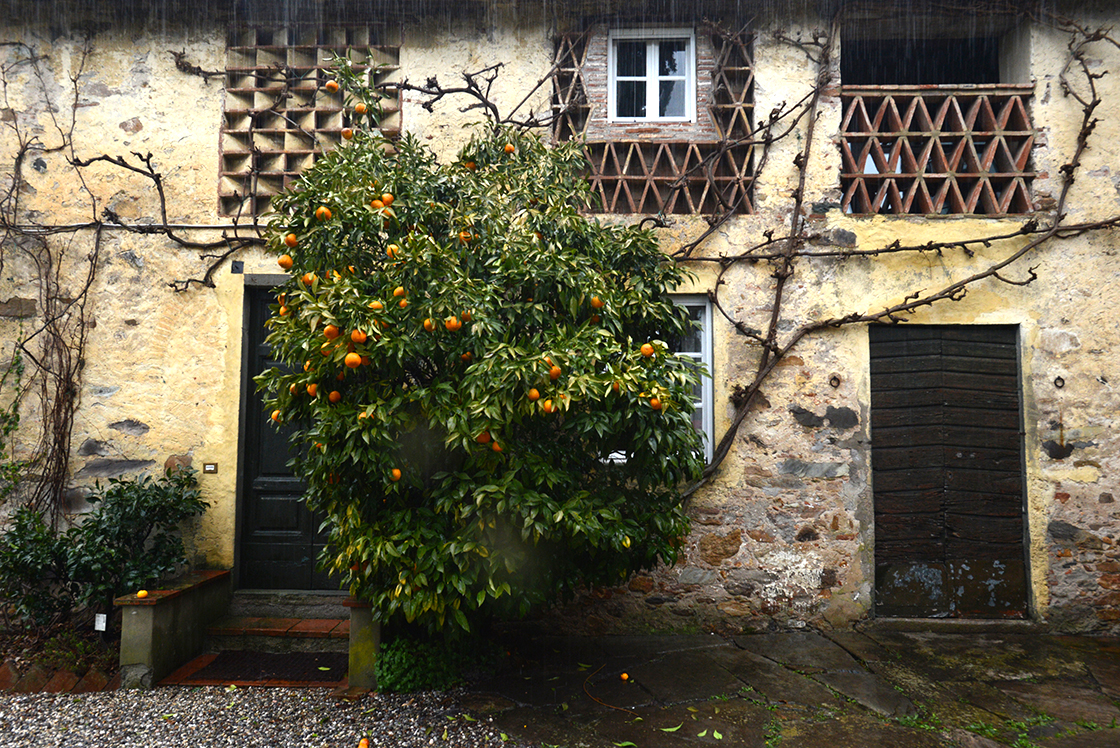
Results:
x,y
524,291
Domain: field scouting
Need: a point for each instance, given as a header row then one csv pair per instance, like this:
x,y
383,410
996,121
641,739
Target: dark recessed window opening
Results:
x,y
911,62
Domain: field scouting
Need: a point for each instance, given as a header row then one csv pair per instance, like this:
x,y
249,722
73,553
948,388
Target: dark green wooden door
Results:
x,y
946,450
279,538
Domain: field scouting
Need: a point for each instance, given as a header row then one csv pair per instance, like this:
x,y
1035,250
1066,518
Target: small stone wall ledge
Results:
x,y
167,628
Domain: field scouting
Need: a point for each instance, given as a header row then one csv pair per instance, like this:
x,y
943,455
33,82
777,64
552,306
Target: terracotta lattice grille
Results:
x,y
278,118
571,107
937,149
652,176
645,177
732,104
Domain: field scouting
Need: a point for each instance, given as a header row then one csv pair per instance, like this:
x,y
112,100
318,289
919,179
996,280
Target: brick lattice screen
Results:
x,y
278,119
655,175
937,149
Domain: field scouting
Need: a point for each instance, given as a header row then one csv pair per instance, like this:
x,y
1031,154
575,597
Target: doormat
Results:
x,y
239,668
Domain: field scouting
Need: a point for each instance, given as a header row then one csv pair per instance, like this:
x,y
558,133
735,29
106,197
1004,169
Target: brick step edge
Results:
x,y
40,679
291,628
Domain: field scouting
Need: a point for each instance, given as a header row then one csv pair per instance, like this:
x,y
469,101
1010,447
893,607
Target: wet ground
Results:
x,y
874,686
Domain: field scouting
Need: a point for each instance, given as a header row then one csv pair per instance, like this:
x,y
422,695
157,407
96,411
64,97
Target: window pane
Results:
x,y
672,58
631,98
672,99
630,59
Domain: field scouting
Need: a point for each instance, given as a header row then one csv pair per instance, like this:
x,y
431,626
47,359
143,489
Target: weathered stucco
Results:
x,y
785,531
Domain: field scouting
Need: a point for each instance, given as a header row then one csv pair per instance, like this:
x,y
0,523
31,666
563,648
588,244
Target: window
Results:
x,y
697,346
665,115
652,75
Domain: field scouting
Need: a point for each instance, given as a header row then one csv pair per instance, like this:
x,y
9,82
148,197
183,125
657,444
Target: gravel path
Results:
x,y
216,716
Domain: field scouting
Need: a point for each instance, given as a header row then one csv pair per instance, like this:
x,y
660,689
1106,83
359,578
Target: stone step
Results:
x,y
279,634
292,604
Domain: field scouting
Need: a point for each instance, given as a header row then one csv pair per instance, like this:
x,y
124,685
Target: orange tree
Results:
x,y
485,407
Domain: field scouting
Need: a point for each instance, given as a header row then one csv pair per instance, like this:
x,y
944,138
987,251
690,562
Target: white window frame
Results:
x,y
703,356
653,38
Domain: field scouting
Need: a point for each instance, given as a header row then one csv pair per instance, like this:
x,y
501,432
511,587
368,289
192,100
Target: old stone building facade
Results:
x,y
964,463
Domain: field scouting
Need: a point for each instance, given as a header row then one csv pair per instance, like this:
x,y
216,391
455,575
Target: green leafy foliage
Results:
x,y
33,570
128,541
538,448
131,538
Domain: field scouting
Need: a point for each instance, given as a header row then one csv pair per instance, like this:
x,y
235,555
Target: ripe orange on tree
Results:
x,y
533,395
464,237
387,199
352,360
331,86
554,373
283,311
313,389
347,133
291,240
466,357
403,303
399,291
376,204
655,403
496,447
308,278
360,108
285,261
546,406
596,302
376,306
647,350
395,474
276,415
453,324
483,438
469,165
429,325
323,213
335,395
509,148
392,250
357,336
331,331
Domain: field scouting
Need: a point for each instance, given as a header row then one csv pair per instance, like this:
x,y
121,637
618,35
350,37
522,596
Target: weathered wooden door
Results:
x,y
946,450
279,538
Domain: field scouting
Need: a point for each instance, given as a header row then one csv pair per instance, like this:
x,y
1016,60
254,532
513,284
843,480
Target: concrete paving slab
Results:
x,y
690,675
542,728
856,731
803,651
610,689
870,691
1107,675
775,683
531,688
862,647
990,699
723,723
1063,701
1085,739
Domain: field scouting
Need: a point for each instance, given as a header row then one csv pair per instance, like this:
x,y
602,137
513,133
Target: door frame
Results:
x,y
253,282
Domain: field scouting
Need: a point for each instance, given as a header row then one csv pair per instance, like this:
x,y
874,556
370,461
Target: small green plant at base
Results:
x,y
983,729
412,662
127,542
69,650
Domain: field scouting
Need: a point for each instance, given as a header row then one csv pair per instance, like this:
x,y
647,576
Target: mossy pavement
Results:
x,y
878,685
